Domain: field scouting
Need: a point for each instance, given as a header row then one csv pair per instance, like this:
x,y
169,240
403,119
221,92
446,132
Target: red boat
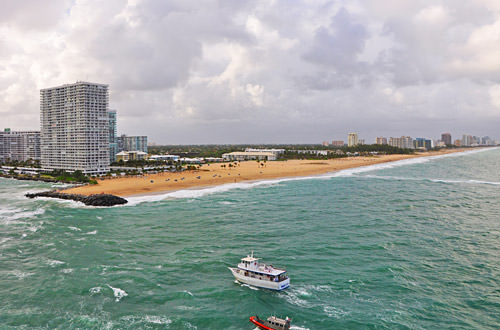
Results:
x,y
272,323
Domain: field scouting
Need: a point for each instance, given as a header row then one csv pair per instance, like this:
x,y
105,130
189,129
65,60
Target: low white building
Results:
x,y
131,155
164,157
249,155
313,152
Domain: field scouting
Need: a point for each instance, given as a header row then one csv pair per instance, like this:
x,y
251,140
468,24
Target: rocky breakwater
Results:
x,y
92,200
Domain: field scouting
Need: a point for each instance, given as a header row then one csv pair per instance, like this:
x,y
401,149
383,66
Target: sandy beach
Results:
x,y
217,174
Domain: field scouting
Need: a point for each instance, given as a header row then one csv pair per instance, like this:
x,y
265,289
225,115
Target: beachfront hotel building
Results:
x,y
404,142
75,127
446,138
133,143
352,139
248,155
19,146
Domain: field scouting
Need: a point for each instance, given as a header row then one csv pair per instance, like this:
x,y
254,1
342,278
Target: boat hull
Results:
x,y
256,281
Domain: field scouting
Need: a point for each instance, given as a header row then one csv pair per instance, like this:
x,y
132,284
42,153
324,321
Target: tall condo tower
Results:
x,y
75,127
352,139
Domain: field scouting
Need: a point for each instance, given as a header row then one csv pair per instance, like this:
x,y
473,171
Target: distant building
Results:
x,y
467,140
325,144
422,143
131,155
173,158
458,143
404,142
113,138
381,140
446,138
249,155
19,145
352,139
275,152
361,142
133,143
338,143
313,152
75,127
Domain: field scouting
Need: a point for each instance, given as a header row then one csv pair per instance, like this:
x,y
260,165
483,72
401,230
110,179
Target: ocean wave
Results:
x,y
399,178
16,214
20,274
155,319
95,290
53,263
118,293
334,312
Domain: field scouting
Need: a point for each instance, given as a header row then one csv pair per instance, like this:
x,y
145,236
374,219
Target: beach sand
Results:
x,y
215,174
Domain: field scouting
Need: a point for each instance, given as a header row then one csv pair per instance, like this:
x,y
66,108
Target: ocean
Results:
x,y
412,244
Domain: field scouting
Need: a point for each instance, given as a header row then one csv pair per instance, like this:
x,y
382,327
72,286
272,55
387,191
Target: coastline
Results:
x,y
211,175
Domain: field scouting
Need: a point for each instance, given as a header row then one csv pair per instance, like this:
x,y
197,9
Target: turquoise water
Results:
x,y
413,244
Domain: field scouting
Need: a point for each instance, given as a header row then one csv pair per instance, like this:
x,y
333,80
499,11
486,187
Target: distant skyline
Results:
x,y
202,72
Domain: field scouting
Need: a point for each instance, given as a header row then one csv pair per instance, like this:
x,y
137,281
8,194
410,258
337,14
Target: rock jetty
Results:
x,y
92,200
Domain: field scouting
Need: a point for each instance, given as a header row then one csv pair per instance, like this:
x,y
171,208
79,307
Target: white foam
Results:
x,y
53,263
188,292
334,312
495,183
19,214
91,232
249,286
67,270
118,293
21,275
75,228
157,319
95,290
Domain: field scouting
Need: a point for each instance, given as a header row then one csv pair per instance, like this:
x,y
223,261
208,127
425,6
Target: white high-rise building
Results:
x,y
75,127
352,139
19,145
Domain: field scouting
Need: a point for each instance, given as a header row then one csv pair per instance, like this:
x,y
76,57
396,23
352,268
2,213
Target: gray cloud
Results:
x,y
258,71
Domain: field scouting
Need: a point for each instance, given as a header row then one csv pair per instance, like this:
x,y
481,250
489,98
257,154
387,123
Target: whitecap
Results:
x,y
95,290
98,217
67,270
157,319
53,263
188,292
21,275
118,293
91,232
334,312
74,228
18,214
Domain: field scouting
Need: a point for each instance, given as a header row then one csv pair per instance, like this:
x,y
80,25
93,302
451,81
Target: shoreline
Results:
x,y
218,174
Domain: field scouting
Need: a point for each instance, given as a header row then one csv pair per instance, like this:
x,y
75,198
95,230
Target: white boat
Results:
x,y
260,275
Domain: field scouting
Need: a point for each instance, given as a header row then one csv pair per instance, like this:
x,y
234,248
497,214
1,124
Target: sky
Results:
x,y
252,71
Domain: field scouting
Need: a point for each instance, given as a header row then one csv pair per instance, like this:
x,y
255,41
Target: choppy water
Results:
x,y
413,244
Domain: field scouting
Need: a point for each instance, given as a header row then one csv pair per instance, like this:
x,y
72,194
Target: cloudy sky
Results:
x,y
275,71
